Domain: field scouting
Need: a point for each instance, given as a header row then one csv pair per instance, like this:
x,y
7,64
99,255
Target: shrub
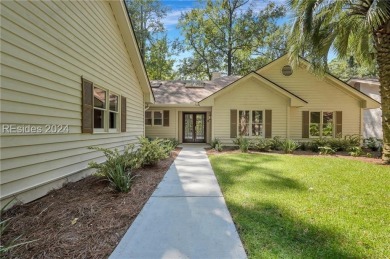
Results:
x,y
353,140
260,144
304,145
152,151
120,178
216,144
355,151
117,168
289,146
168,145
373,144
276,143
326,150
243,144
316,143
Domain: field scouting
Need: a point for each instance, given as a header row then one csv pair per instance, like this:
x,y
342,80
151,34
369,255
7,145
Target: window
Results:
x,y
250,123
257,123
243,123
321,124
113,111
99,107
105,110
148,118
157,118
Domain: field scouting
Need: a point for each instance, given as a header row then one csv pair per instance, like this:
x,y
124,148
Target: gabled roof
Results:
x,y
367,100
128,35
295,100
187,92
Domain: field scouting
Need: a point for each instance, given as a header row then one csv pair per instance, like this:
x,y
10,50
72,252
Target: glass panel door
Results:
x,y
200,128
194,127
188,127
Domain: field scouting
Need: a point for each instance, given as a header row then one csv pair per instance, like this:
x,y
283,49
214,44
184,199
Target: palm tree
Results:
x,y
358,26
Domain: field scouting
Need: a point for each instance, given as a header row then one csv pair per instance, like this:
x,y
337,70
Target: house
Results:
x,y
372,117
71,77
275,100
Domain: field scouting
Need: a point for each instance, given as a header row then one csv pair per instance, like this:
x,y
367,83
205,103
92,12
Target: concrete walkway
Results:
x,y
186,217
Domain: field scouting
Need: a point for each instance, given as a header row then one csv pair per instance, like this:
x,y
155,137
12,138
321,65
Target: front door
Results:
x,y
194,127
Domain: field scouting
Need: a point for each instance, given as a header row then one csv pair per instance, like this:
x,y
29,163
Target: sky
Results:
x,y
179,6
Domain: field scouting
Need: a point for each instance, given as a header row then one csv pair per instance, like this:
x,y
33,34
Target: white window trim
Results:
x,y
322,123
151,117
107,111
250,123
154,125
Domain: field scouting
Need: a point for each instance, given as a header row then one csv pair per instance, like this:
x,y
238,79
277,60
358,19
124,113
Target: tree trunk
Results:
x,y
382,44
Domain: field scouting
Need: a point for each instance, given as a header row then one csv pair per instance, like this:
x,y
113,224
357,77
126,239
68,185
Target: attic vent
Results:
x,y
194,84
287,70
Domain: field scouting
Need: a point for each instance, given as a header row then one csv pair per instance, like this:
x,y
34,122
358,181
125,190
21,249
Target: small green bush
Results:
x,y
243,144
152,151
118,166
276,143
216,144
373,144
260,144
168,145
289,146
355,151
304,145
326,150
316,143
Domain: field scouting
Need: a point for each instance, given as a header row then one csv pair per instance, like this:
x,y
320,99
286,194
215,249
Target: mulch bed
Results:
x,y
84,219
375,159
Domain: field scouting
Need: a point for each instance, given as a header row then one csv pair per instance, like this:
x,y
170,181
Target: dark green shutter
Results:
x,y
123,114
87,102
305,124
166,119
268,124
233,123
339,124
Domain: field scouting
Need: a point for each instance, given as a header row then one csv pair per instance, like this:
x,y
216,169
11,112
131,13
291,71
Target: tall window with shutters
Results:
x,y
321,124
251,123
103,110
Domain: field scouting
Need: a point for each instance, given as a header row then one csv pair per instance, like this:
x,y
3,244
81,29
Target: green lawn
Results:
x,y
287,206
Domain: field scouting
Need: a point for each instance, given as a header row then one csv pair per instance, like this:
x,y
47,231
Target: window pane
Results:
x,y
257,117
99,100
112,120
148,118
114,102
243,123
315,129
257,129
315,117
157,118
327,127
98,119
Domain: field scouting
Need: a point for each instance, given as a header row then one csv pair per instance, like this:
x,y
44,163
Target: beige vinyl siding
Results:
x,y
46,48
321,95
175,129
249,95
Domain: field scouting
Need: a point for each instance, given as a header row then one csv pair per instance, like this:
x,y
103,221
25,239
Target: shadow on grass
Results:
x,y
268,178
269,231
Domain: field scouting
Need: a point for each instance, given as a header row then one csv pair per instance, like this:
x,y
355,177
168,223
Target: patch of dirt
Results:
x,y
84,219
375,159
